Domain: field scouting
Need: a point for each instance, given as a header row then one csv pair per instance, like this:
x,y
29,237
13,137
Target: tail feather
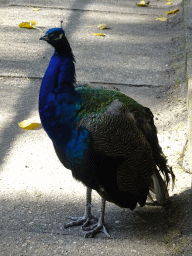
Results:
x,y
146,124
159,188
163,167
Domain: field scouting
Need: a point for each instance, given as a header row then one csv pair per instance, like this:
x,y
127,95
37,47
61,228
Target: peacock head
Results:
x,y
56,37
53,36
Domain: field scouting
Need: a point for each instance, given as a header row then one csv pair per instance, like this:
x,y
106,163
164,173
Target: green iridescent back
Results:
x,y
97,100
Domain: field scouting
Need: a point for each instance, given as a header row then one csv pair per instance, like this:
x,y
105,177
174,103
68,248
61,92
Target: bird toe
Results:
x,y
94,229
77,221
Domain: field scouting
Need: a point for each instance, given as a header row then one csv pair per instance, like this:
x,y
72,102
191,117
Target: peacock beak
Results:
x,y
44,38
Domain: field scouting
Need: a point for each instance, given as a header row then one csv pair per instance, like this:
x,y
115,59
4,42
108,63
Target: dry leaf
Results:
x,y
30,24
29,124
162,19
168,3
103,26
142,4
98,34
36,9
173,12
100,26
25,25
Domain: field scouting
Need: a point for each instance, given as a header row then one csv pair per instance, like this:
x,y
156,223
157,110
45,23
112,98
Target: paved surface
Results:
x,y
141,57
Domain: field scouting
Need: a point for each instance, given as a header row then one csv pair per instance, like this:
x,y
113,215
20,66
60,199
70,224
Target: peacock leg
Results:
x,y
85,220
99,227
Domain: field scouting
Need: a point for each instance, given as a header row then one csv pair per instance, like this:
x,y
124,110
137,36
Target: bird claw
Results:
x,y
84,221
96,228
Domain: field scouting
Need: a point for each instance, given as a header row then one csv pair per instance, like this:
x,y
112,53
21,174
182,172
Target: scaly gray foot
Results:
x,y
84,221
87,217
94,229
100,226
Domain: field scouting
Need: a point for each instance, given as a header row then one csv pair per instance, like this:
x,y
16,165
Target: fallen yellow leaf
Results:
x,y
100,26
103,26
36,9
162,19
25,25
98,34
29,124
142,3
168,3
30,24
173,12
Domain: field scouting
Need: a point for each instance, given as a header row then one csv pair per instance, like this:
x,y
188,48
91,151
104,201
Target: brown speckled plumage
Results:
x,y
116,135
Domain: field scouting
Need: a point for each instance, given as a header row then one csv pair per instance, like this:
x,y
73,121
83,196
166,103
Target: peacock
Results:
x,y
107,139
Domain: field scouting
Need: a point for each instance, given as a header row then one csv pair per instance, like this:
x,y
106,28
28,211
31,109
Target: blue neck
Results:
x,y
59,105
58,100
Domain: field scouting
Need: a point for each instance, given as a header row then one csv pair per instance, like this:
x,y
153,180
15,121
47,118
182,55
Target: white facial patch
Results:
x,y
59,37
